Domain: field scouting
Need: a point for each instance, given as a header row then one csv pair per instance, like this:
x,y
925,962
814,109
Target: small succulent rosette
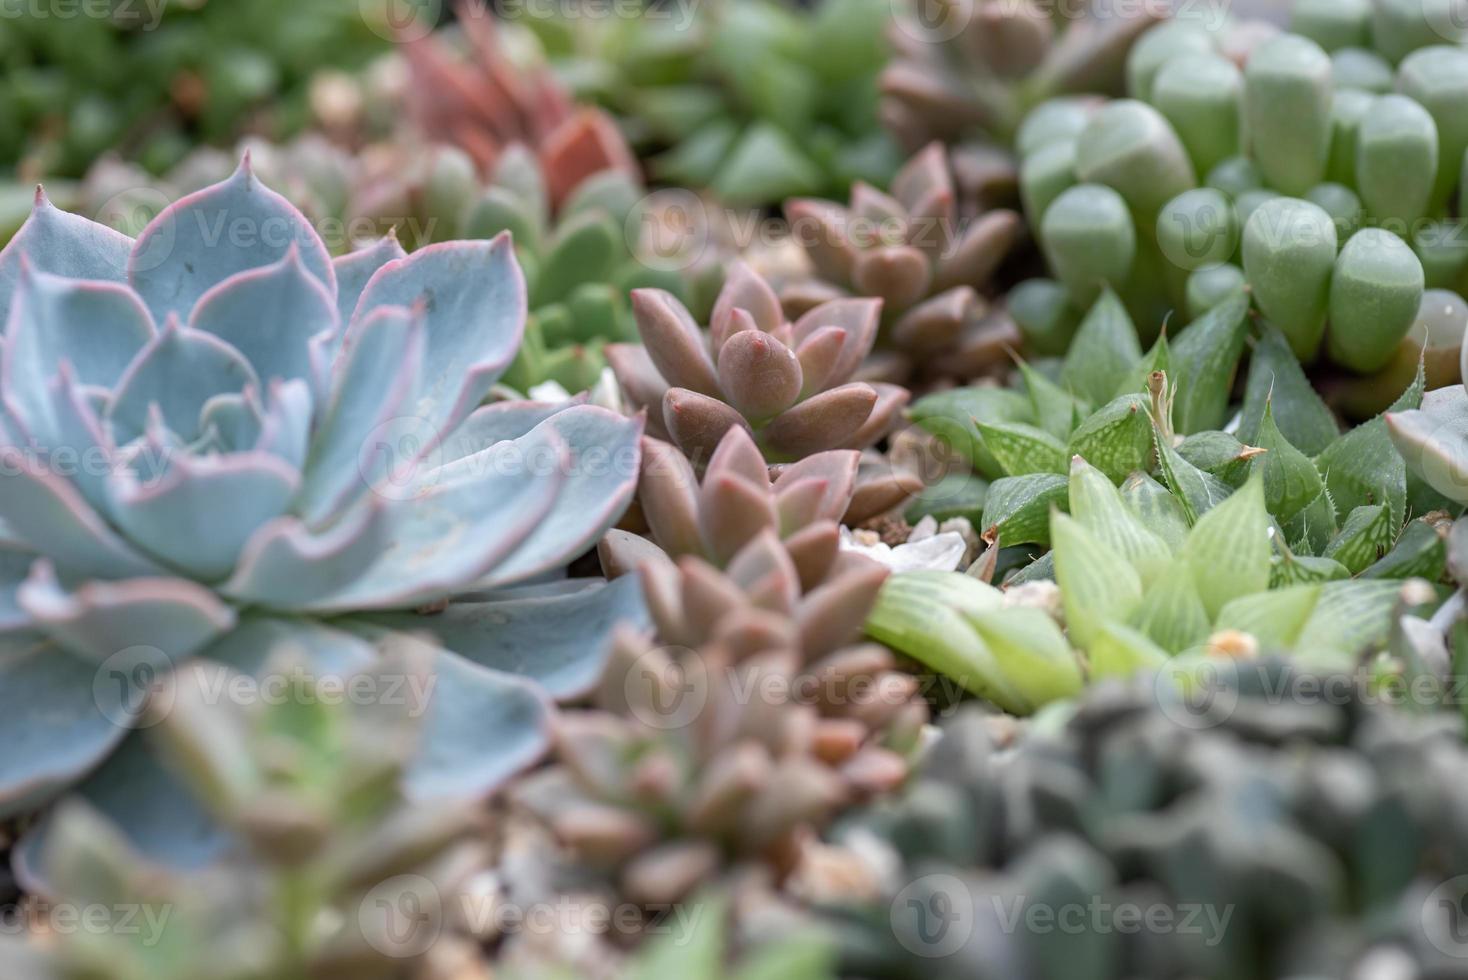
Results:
x,y
788,384
929,264
218,441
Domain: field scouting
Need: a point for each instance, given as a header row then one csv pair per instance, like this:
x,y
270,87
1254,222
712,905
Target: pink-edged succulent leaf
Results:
x,y
483,727
199,514
744,289
697,422
61,244
48,513
285,422
707,594
449,527
472,297
557,638
638,377
270,315
799,503
175,375
497,422
764,571
356,269
285,565
668,492
69,423
96,620
206,237
880,216
760,376
98,327
674,344
924,185
602,465
814,549
375,376
859,318
829,420
54,726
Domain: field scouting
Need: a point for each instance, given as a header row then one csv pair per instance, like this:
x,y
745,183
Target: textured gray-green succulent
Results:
x,y
1268,823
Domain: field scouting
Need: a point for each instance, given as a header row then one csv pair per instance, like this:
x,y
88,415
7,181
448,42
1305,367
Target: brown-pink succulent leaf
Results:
x,y
668,491
766,573
766,714
925,188
1011,38
818,354
889,703
737,455
732,511
697,422
987,341
832,614
592,745
935,323
744,289
985,244
582,146
878,218
760,376
799,503
813,549
822,228
662,589
851,666
731,780
838,469
837,739
899,275
669,873
985,174
1091,55
860,318
674,344
749,631
799,792
600,834
708,595
940,104
799,298
827,421
875,770
622,552
891,399
879,490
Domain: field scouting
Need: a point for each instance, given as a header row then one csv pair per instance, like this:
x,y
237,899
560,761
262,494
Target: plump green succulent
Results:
x,y
153,79
331,870
788,384
1334,204
755,100
1272,823
929,263
217,439
747,717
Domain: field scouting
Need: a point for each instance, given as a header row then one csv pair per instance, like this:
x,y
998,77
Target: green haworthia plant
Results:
x,y
326,852
216,439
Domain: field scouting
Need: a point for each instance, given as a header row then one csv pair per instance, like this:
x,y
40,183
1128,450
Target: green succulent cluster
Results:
x,y
1137,449
151,79
324,851
757,100
1270,827
1323,174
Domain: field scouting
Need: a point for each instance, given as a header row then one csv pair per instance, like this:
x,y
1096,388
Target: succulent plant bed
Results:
x,y
741,489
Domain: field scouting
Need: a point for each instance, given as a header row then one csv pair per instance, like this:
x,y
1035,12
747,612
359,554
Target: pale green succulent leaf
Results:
x,y
1096,584
1228,550
1017,510
1103,353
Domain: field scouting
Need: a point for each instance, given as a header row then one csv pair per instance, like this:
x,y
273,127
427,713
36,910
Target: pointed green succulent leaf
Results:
x,y
1117,438
1203,359
1198,491
1228,550
1121,651
1171,614
1098,506
1017,510
1020,448
1275,617
949,415
1103,353
1159,509
1364,537
1096,584
1276,376
1291,481
1420,552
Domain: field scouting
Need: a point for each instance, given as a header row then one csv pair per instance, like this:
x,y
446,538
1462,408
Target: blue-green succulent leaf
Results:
x,y
63,244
